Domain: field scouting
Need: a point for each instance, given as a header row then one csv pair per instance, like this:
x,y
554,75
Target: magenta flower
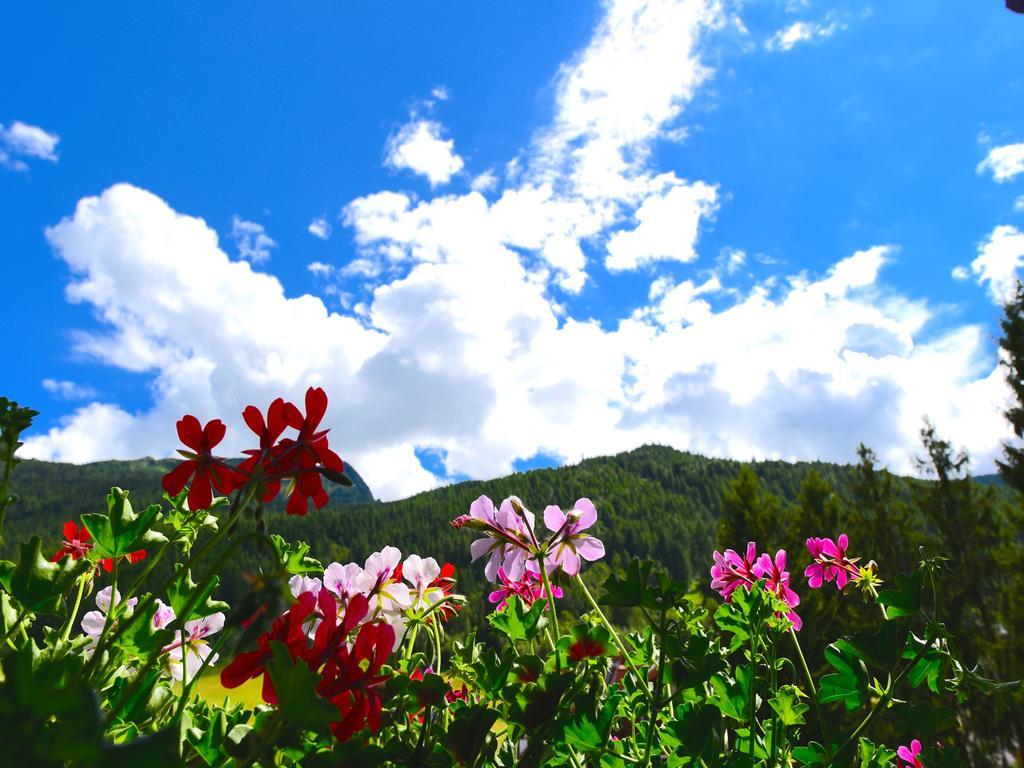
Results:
x,y
776,580
530,588
911,755
568,543
731,571
509,541
831,562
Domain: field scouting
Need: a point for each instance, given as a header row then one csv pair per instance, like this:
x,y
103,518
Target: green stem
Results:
x,y
74,611
437,646
551,598
753,690
187,686
882,701
652,727
407,654
641,681
814,692
15,626
773,690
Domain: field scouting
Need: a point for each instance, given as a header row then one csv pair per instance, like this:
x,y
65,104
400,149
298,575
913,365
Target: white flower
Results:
x,y
94,621
420,573
190,649
300,584
342,580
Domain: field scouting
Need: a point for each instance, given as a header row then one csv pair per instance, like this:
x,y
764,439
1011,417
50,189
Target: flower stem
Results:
x,y
751,724
74,611
551,603
814,692
615,636
773,690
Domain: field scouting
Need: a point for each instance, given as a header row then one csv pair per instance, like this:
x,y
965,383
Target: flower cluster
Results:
x,y
733,570
397,592
515,552
347,654
299,460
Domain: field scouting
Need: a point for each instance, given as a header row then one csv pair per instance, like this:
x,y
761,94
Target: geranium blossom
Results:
x,y
422,573
351,680
132,557
201,467
301,458
732,570
94,621
509,542
911,756
445,581
568,543
190,648
776,579
77,542
269,432
831,562
341,580
164,615
529,589
381,581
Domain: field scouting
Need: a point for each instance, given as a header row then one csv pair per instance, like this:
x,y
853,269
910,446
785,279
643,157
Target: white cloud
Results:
x,y
21,140
461,309
68,390
798,32
320,228
419,146
441,92
320,269
252,240
484,182
960,273
1019,205
1005,162
999,257
667,228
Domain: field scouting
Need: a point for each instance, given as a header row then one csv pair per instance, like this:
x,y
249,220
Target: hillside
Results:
x,y
653,502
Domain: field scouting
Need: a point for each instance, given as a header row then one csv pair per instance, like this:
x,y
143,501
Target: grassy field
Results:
x,y
247,694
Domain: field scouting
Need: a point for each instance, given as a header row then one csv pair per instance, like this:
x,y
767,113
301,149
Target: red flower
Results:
x,y
301,458
77,542
286,629
201,466
131,557
269,432
351,678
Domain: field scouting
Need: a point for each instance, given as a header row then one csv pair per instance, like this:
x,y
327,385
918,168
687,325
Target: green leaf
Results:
x,y
294,558
182,591
695,726
295,685
517,624
141,637
470,734
905,600
589,731
881,649
849,683
870,755
812,754
732,698
631,591
157,750
121,531
35,582
788,706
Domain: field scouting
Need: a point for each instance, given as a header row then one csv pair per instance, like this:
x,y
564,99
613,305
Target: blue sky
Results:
x,y
504,236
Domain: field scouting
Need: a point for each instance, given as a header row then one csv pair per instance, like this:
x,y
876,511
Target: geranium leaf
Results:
x,y
905,600
469,734
35,582
849,683
295,685
121,530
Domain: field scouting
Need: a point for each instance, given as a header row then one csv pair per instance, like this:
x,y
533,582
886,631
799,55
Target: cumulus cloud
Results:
x,y
1005,163
420,146
999,257
20,140
252,240
787,38
320,228
466,345
320,269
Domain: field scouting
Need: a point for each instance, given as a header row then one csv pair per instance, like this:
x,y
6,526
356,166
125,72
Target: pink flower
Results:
x,y
568,542
830,562
776,580
910,755
529,588
509,539
731,571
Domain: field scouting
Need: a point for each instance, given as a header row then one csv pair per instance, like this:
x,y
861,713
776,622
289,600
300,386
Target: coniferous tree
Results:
x,y
1012,344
